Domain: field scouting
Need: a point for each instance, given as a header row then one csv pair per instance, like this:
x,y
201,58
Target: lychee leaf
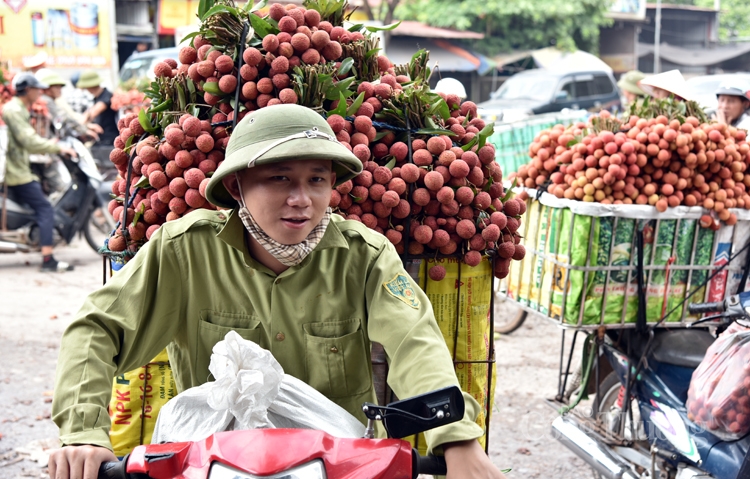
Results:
x,y
138,214
145,121
346,66
204,6
484,134
372,52
356,27
143,182
381,134
189,36
180,97
470,144
262,27
212,87
509,191
219,9
374,28
249,7
355,106
391,164
341,108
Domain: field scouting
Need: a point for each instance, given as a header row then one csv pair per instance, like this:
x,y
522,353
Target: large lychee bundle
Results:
x,y
655,161
445,199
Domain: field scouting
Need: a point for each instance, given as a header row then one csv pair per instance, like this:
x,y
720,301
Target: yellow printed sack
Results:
x,y
468,339
137,397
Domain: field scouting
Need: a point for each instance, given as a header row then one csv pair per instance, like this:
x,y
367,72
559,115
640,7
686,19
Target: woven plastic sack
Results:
x,y
718,398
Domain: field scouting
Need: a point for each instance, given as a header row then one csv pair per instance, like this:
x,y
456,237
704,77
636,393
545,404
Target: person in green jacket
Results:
x,y
279,269
21,182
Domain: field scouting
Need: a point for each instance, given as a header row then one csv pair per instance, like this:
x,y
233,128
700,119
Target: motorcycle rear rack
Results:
x,y
591,425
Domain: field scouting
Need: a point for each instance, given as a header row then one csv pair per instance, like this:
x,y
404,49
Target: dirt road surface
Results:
x,y
36,308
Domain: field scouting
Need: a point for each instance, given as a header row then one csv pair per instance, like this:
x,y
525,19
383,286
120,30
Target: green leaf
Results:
x,y
129,143
249,7
145,121
470,144
357,27
204,6
139,213
340,88
143,182
262,27
181,97
372,52
484,134
341,108
189,36
391,164
373,28
509,191
219,9
190,86
381,134
346,66
434,131
355,106
163,106
212,87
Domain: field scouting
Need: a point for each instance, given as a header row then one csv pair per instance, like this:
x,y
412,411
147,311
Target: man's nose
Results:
x,y
299,197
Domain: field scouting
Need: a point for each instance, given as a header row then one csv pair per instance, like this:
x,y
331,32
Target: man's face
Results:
x,y
629,97
732,106
33,94
287,199
54,91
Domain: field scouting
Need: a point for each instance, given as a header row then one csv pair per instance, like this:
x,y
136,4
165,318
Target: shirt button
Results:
x,y
278,280
221,216
334,349
280,337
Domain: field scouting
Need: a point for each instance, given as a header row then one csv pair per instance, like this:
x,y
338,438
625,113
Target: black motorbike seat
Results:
x,y
681,347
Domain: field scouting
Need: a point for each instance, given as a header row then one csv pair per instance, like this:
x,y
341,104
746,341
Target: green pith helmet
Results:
x,y
629,82
51,78
280,133
89,79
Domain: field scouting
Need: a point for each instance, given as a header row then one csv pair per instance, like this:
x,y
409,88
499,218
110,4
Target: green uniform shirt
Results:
x,y
22,140
195,280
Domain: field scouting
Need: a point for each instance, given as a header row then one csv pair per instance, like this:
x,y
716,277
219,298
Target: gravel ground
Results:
x,y
37,307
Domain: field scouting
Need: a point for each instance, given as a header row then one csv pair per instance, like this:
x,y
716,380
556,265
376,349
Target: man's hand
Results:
x,y
97,128
467,460
721,117
78,462
68,151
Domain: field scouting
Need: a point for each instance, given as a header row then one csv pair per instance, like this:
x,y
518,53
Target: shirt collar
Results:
x,y
233,234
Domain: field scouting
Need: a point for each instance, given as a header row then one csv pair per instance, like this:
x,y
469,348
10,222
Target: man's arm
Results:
x,y
25,135
419,360
94,111
120,327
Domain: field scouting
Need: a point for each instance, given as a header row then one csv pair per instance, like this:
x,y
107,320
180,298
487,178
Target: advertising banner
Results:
x,y
70,33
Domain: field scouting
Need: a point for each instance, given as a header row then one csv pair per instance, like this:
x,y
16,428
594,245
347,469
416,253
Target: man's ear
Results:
x,y
333,179
230,183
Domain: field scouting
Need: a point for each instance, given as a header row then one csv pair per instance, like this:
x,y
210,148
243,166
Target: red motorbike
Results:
x,y
303,453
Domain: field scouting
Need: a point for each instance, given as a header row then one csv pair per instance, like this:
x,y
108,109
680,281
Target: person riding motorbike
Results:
x,y
22,140
734,103
282,271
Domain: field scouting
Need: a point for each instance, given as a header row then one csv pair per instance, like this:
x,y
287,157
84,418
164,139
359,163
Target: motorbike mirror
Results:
x,y
419,413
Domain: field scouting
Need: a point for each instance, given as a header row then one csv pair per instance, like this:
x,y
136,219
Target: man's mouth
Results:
x,y
295,221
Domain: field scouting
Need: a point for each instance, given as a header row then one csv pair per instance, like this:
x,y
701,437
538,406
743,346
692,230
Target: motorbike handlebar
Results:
x,y
114,470
434,465
702,308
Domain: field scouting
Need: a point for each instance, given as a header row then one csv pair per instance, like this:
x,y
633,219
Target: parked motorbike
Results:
x,y
303,453
650,436
81,208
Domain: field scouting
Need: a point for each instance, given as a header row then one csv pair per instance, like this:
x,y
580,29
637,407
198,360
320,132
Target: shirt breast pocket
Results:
x,y
337,358
214,326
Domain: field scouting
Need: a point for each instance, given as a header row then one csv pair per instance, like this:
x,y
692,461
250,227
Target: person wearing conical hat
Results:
x,y
278,267
664,85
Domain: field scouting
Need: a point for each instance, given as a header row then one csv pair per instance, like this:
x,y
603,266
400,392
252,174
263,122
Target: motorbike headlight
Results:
x,y
311,470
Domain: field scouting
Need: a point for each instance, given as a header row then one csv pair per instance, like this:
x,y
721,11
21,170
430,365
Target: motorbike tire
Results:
x,y
609,389
508,315
98,227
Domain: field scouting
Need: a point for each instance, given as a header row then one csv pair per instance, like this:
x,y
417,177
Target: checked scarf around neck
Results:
x,y
286,254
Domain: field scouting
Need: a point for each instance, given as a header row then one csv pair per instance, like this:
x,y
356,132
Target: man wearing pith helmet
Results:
x,y
280,269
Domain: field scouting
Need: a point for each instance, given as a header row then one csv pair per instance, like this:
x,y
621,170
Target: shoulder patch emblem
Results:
x,y
400,288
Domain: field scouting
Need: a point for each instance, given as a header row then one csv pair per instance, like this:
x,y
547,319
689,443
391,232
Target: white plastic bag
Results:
x,y
250,391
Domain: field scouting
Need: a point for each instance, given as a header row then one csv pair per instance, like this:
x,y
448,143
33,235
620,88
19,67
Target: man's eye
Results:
x,y
279,178
318,179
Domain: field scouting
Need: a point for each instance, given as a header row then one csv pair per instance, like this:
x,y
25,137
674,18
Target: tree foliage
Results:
x,y
516,24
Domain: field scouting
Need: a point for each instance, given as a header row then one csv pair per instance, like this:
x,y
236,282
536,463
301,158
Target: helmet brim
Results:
x,y
345,164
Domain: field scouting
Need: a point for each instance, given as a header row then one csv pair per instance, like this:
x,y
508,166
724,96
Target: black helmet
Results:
x,y
734,87
26,80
